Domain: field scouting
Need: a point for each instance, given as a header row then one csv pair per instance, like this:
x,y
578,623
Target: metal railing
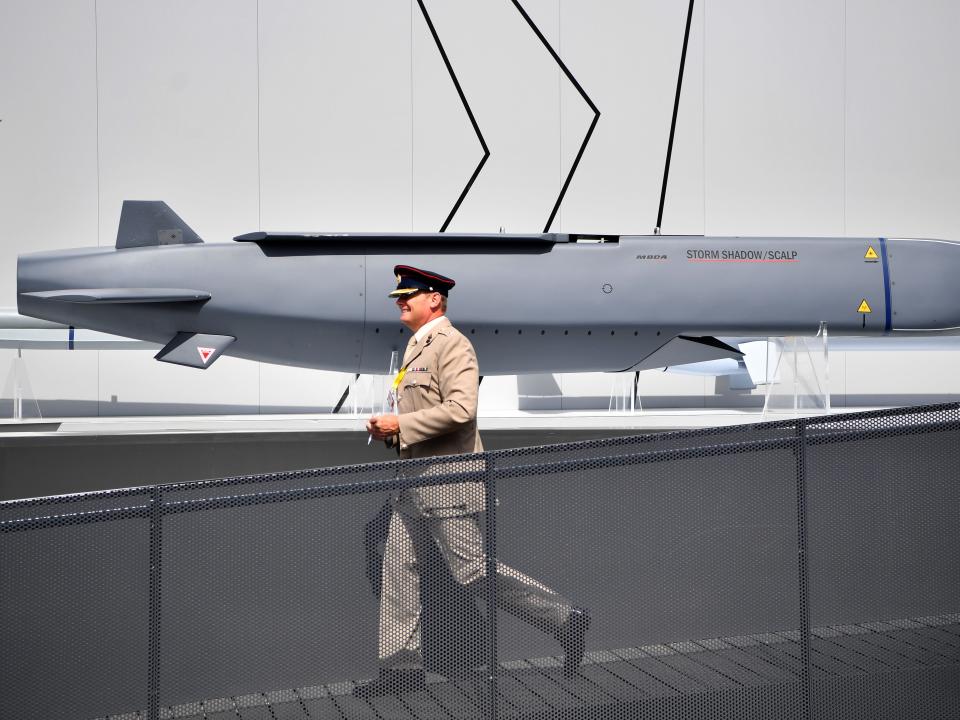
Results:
x,y
612,477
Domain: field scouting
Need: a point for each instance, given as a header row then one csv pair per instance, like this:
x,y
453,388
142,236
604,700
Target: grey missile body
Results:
x,y
529,303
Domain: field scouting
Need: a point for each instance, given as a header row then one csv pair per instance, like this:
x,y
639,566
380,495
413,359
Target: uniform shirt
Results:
x,y
437,411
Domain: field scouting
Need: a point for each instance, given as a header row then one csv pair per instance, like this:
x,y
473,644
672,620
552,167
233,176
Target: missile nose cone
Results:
x,y
924,292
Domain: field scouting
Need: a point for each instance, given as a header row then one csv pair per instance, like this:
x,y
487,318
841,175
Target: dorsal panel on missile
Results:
x,y
484,238
146,223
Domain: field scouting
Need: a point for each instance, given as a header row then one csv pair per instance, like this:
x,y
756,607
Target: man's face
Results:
x,y
416,310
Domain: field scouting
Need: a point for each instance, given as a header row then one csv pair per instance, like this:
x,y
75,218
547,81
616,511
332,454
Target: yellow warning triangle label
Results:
x,y
864,307
871,254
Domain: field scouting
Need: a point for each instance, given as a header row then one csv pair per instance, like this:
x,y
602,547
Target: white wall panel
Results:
x,y
63,382
178,111
178,122
445,148
903,115
48,130
683,212
902,156
774,117
498,393
626,57
538,392
928,375
587,390
511,83
227,386
335,115
300,389
583,391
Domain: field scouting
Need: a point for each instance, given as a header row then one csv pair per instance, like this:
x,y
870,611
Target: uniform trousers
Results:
x,y
460,542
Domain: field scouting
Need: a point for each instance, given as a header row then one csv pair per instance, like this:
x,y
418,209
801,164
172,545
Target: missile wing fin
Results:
x,y
122,295
684,349
197,350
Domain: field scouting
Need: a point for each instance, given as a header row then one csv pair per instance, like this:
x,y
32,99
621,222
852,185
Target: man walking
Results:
x,y
437,389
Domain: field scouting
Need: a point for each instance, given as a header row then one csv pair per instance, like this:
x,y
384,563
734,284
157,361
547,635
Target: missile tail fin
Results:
x,y
684,350
145,223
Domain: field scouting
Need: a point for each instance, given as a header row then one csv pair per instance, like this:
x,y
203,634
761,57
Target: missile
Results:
x,y
537,303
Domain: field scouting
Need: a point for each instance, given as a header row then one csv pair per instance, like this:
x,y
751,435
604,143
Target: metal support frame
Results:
x,y
802,568
793,433
153,662
490,548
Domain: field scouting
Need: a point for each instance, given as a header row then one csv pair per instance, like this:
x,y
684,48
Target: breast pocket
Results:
x,y
418,381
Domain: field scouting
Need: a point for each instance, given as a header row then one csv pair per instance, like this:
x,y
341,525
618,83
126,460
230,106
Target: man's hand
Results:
x,y
383,426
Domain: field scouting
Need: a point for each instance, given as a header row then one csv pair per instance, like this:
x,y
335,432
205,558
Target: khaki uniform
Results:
x,y
437,409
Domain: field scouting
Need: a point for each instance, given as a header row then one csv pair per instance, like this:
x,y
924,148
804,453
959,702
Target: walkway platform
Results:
x,y
744,677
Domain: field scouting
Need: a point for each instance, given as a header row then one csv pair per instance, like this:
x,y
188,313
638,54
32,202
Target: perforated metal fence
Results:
x,y
799,569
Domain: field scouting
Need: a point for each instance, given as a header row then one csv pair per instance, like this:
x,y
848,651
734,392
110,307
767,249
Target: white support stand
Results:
x,y
623,394
798,375
18,389
388,396
371,394
361,395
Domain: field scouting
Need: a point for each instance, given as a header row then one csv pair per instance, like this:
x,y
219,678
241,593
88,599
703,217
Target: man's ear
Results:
x,y
435,301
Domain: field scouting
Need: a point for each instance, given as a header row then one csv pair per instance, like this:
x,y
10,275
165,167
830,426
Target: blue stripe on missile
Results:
x,y
888,326
70,338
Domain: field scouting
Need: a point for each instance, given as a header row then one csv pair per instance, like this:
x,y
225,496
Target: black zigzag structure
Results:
x,y
586,98
466,107
673,121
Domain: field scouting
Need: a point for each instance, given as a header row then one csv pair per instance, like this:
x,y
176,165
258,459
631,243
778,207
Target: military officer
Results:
x,y
437,389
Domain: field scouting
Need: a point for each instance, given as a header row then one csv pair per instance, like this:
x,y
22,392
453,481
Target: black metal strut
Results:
x,y
673,121
466,106
583,94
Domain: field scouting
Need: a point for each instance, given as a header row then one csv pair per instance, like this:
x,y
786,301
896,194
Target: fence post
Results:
x,y
153,643
802,569
490,547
